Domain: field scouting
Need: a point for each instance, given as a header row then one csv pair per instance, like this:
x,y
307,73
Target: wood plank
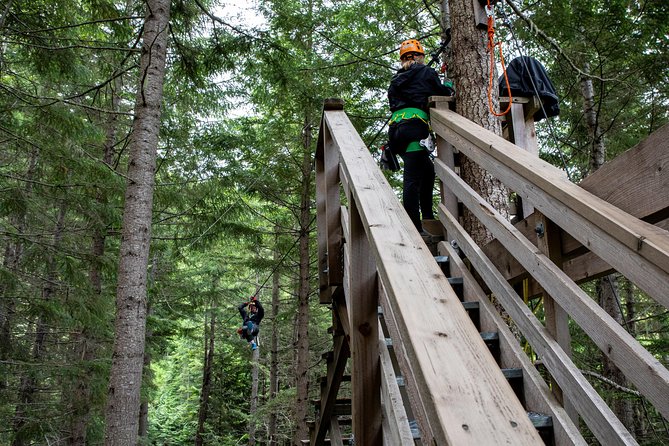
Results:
x,y
335,433
446,153
636,181
365,369
397,432
420,404
330,390
524,136
637,249
556,318
538,397
328,206
599,418
638,365
454,371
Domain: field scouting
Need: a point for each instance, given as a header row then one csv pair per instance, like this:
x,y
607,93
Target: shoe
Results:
x,y
254,346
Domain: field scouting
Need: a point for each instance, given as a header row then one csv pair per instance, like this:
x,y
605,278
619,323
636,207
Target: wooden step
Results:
x,y
458,286
346,440
443,263
473,310
544,425
491,339
514,377
342,406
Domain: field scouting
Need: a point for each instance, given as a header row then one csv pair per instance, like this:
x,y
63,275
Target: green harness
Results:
x,y
410,113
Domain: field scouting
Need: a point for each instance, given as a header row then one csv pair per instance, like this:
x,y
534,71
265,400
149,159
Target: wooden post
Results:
x,y
557,320
328,209
446,153
522,131
365,362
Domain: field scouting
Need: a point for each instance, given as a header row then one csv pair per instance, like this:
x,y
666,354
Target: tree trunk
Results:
x,y
121,415
29,381
470,71
209,344
302,345
274,353
598,149
253,410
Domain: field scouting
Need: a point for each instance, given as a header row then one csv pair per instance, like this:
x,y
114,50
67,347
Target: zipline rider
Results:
x,y
408,94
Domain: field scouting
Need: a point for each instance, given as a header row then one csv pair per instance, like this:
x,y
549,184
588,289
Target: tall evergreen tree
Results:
x,y
123,400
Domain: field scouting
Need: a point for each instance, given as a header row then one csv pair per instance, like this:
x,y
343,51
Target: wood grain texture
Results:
x,y
597,415
538,397
636,248
638,365
469,399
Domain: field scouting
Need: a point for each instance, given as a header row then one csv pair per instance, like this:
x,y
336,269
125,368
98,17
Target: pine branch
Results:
x,y
646,318
611,383
534,29
77,25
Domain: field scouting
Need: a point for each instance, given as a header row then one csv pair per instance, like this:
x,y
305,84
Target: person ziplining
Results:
x,y
251,321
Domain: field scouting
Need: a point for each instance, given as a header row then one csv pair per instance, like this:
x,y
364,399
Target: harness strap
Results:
x,y
409,113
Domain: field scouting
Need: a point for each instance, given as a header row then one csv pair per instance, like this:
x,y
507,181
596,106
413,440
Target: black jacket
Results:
x,y
256,317
412,87
526,75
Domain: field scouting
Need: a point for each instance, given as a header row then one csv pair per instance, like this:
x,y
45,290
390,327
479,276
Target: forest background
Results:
x,y
233,210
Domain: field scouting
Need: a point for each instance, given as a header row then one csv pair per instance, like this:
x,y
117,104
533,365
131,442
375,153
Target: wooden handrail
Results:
x,y
462,392
370,255
635,248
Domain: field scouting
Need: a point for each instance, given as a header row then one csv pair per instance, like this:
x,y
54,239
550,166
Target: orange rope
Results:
x,y
491,48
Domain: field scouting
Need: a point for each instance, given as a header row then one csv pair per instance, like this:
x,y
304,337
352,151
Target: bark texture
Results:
x,y
274,353
302,325
123,401
470,71
209,344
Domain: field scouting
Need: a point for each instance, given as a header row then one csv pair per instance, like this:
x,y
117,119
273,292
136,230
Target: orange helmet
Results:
x,y
411,46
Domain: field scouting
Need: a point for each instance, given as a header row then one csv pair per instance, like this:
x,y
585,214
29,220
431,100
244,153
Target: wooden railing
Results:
x,y
370,255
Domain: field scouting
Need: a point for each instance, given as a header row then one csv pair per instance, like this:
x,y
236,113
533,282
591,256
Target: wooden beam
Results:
x,y
365,367
638,365
636,181
468,399
335,433
328,208
396,423
599,418
538,397
331,389
556,318
637,249
446,153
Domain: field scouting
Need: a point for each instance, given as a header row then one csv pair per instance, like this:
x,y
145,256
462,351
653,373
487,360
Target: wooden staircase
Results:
x,y
420,353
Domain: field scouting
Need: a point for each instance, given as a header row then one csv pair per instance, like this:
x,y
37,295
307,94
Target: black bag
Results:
x,y
388,160
527,77
403,132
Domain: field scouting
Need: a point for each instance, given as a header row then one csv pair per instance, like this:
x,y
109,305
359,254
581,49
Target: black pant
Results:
x,y
418,185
